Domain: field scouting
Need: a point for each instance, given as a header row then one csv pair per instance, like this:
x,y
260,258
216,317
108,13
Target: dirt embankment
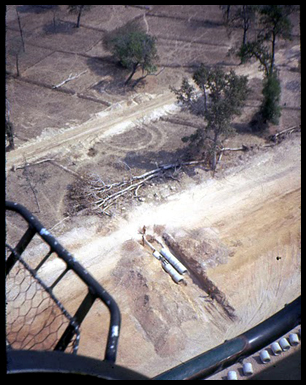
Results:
x,y
193,260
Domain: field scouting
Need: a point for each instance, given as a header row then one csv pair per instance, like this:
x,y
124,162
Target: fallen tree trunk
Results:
x,y
103,196
70,77
242,148
52,161
284,132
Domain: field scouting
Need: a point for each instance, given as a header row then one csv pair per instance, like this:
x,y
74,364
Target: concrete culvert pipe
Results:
x,y
157,255
173,260
247,369
172,272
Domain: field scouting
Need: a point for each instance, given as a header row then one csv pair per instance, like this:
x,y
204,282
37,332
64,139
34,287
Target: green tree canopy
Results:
x,y
218,97
275,23
270,109
134,49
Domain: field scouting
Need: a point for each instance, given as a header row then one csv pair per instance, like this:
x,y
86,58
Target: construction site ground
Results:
x,y
241,227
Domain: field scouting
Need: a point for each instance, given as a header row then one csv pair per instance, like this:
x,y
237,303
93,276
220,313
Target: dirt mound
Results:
x,y
193,253
204,245
152,298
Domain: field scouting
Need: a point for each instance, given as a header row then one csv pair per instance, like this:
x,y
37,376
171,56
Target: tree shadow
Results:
x,y
259,126
242,128
195,24
151,160
35,8
59,27
112,73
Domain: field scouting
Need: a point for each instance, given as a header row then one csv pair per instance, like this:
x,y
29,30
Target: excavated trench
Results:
x,y
199,276
239,238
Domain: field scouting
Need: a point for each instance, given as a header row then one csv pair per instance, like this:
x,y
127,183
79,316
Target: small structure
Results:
x,y
265,356
232,375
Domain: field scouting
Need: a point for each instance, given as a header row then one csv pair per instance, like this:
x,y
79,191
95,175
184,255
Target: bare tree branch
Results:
x,y
70,77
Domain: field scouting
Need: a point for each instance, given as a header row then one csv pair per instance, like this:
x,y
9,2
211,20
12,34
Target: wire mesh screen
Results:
x,y
37,278
35,318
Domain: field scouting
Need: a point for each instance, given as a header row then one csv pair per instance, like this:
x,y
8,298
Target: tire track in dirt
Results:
x,y
263,195
144,137
97,128
260,195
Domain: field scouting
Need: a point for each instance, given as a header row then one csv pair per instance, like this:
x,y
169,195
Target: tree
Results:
x,y
240,16
9,128
79,9
9,135
270,109
218,97
275,23
246,15
258,50
226,11
20,30
134,49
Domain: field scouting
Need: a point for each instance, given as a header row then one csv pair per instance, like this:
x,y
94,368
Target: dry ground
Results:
x,y
235,225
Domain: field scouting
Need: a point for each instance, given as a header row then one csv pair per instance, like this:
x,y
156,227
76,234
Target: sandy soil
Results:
x,y
253,213
242,228
117,119
256,214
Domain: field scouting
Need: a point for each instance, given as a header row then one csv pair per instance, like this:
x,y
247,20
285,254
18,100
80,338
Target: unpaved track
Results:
x,y
95,129
255,211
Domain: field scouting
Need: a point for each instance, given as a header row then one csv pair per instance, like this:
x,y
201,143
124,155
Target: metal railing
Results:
x,y
35,318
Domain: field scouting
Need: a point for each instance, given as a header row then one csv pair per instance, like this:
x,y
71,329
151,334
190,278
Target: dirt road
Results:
x,y
116,120
249,214
254,211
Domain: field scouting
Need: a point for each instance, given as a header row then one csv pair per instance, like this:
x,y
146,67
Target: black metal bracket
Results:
x,y
55,365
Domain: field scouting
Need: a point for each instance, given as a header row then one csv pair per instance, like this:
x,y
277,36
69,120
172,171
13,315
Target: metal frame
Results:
x,y
230,352
95,290
45,363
